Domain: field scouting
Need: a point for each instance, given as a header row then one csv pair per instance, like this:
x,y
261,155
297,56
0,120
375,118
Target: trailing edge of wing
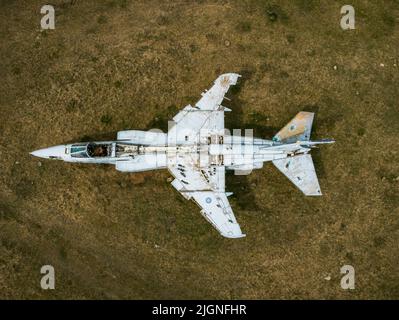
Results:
x,y
216,210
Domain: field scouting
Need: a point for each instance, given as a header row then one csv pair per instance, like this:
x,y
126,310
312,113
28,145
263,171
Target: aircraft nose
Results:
x,y
56,152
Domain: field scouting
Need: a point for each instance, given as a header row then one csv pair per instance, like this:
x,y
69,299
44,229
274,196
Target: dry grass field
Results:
x,y
111,65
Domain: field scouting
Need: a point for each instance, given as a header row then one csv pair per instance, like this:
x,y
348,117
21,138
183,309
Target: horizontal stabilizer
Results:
x,y
300,170
297,129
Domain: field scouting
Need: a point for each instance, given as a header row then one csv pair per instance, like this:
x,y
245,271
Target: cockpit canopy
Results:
x,y
79,150
91,150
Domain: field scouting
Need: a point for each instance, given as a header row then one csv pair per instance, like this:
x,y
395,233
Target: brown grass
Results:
x,y
112,65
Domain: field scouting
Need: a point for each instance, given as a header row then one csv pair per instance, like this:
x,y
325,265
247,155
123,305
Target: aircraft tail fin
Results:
x,y
298,128
300,170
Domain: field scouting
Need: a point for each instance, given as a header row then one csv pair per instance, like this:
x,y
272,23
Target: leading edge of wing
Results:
x,y
212,98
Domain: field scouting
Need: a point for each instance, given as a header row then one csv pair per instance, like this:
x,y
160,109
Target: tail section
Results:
x,y
298,129
300,170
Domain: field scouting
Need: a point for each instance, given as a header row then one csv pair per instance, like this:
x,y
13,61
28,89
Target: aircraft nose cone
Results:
x,y
56,152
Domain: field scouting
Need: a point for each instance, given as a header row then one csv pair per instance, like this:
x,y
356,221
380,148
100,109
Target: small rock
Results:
x,y
156,246
227,43
16,162
328,278
335,67
382,65
39,164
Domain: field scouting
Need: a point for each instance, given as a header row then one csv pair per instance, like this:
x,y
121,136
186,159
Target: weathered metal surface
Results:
x,y
197,151
297,129
143,137
300,170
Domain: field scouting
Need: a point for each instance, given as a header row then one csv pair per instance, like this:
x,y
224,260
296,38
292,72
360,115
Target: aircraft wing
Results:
x,y
212,98
195,177
206,187
216,209
206,118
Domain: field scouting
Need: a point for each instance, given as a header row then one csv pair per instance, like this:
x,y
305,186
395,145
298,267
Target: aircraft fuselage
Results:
x,y
235,153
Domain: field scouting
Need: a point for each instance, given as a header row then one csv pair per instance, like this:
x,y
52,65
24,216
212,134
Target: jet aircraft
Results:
x,y
197,151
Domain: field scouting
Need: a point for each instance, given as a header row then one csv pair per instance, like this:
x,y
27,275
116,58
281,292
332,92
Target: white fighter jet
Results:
x,y
197,150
